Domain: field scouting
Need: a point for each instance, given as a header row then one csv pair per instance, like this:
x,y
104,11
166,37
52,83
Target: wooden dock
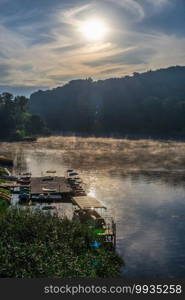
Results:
x,y
87,202
49,185
104,227
68,189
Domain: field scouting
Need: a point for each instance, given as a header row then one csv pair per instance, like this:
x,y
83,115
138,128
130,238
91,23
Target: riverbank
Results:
x,y
19,139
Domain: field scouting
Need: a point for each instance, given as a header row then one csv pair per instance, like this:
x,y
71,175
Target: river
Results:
x,y
141,182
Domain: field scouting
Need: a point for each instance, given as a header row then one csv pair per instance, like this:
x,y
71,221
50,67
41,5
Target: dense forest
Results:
x,y
16,123
145,104
150,103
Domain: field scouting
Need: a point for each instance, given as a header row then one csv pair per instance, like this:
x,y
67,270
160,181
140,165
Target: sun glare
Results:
x,y
93,30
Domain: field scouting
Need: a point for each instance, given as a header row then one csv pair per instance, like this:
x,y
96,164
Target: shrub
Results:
x,y
34,245
3,205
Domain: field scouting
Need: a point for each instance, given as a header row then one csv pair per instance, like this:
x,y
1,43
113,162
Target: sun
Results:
x,y
93,30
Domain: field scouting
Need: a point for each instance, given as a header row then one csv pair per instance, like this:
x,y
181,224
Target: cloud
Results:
x,y
112,70
68,48
165,17
71,16
130,6
4,70
2,55
60,78
158,3
131,57
164,57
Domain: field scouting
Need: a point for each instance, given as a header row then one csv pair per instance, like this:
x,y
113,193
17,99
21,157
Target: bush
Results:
x,y
18,135
34,245
2,171
3,205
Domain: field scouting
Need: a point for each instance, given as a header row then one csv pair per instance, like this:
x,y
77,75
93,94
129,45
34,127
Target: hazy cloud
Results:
x,y
131,6
4,71
133,57
112,70
68,48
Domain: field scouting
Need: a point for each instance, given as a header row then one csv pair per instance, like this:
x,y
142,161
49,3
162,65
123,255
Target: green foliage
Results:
x,y
3,203
19,134
3,206
35,125
2,171
41,245
15,122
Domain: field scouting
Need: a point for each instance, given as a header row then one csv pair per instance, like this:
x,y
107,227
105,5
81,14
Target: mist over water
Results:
x,y
142,184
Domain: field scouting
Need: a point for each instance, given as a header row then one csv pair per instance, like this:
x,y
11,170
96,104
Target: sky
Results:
x,y
45,43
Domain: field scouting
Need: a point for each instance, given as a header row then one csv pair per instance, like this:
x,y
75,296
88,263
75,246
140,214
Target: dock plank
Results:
x,y
87,202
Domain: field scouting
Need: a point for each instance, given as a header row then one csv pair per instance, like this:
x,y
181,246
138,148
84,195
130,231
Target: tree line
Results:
x,y
16,122
150,103
145,104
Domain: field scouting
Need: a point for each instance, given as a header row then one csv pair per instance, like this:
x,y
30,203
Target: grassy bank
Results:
x,y
40,245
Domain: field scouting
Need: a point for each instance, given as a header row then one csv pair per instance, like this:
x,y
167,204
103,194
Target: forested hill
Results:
x,y
148,103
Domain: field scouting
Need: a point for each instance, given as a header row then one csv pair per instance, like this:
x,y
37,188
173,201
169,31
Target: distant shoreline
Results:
x,y
175,138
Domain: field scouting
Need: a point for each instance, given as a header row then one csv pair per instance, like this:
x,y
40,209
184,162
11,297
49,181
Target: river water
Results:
x,y
141,183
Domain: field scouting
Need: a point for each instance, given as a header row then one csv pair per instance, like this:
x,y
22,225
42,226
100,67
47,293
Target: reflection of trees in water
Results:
x,y
171,178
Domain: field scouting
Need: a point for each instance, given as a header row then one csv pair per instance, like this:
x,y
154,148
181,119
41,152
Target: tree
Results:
x,y
22,103
15,121
34,125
